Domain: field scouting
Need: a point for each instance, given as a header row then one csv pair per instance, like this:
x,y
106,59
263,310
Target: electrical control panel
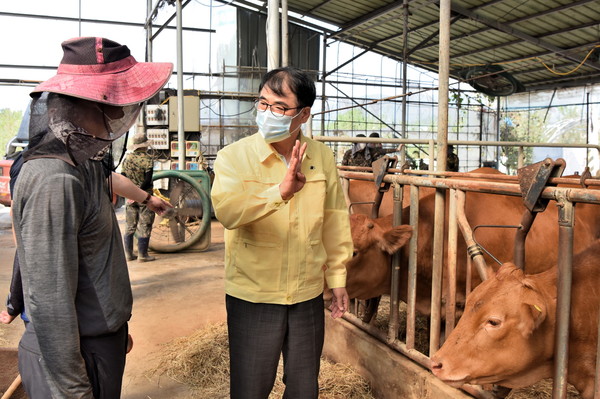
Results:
x,y
159,138
157,115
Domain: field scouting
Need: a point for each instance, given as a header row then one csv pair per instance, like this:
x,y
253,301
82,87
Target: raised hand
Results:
x,y
294,179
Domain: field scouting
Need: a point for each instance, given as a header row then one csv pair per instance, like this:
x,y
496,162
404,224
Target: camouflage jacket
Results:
x,y
137,166
364,157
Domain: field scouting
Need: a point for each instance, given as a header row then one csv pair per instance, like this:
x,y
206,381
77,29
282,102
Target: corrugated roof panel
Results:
x,y
345,12
487,31
508,11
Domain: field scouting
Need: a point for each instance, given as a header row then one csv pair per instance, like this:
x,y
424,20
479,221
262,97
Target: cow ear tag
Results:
x,y
538,308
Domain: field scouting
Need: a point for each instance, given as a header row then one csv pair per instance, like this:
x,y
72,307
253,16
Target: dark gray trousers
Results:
x,y
259,333
104,358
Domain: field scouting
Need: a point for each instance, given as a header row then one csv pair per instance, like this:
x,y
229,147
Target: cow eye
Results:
x,y
494,322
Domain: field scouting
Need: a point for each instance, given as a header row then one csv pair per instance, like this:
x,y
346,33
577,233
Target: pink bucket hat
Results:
x,y
101,70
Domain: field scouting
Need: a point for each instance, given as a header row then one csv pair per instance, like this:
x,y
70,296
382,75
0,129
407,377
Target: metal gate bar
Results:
x,y
565,198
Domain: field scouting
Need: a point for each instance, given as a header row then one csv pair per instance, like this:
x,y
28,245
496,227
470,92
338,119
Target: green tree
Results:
x,y
9,126
354,119
565,124
524,126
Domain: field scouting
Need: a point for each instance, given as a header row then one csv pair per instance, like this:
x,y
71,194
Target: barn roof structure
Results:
x,y
530,45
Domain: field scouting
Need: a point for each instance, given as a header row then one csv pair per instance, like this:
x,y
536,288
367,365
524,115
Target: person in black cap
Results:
x,y
76,287
451,159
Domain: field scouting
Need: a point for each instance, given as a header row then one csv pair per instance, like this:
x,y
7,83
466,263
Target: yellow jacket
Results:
x,y
278,251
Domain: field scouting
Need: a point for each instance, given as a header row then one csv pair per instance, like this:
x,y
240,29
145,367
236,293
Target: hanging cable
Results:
x,y
536,58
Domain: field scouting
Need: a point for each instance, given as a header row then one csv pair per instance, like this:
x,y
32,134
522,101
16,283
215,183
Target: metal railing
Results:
x,y
431,145
458,186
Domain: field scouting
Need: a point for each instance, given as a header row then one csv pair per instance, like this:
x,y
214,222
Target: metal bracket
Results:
x,y
585,175
534,178
405,166
566,210
380,169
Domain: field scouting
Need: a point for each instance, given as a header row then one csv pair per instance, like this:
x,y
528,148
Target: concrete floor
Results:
x,y
173,296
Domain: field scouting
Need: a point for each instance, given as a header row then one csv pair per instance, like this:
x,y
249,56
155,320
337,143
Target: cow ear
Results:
x,y
534,312
396,238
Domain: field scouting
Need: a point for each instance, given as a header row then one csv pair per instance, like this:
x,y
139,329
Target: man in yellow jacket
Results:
x,y
278,195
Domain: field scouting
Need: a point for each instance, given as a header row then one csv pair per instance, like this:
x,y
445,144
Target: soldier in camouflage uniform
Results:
x,y
363,154
137,166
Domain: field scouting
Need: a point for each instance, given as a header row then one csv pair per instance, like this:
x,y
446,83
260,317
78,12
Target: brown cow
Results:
x,y
372,260
506,334
374,241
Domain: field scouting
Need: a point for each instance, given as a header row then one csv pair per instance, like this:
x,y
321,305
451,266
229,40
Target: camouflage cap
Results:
x,y
140,140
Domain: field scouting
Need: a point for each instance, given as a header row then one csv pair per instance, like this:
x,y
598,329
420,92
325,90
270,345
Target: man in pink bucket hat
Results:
x,y
76,286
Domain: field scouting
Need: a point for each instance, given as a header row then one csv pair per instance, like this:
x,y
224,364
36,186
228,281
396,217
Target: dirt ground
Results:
x,y
173,296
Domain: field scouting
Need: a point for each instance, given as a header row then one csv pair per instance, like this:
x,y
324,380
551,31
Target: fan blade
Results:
x,y
175,194
176,230
190,208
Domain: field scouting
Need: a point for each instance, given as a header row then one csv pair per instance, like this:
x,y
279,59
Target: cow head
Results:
x,y
369,270
502,337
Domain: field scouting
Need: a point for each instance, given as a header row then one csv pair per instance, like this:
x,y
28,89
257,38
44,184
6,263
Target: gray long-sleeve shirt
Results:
x,y
74,272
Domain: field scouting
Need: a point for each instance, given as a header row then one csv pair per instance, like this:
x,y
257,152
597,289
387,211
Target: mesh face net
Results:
x,y
75,130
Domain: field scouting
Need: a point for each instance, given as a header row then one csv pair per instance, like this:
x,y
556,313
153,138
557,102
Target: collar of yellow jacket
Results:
x,y
265,150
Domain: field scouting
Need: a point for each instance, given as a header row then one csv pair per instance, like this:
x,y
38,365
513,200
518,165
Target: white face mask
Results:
x,y
272,128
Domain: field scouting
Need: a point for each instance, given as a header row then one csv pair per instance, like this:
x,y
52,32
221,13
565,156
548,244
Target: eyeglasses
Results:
x,y
277,110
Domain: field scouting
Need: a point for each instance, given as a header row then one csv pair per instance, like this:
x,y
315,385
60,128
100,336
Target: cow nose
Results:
x,y
435,365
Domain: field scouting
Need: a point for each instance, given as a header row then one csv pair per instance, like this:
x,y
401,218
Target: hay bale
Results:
x,y
381,321
541,390
201,361
336,381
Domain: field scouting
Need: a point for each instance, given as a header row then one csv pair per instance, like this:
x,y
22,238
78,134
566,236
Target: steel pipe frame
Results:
x,y
285,60
451,261
437,268
519,250
590,181
431,144
566,220
407,349
475,254
572,194
520,145
180,103
412,268
562,195
273,35
395,288
391,140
